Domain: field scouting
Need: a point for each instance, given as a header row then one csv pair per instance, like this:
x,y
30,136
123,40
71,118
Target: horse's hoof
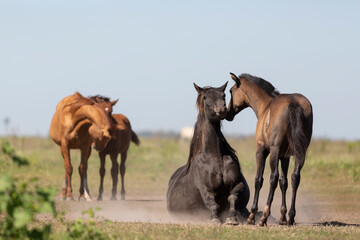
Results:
x,y
99,198
283,222
262,224
231,221
81,199
69,199
113,198
215,221
291,222
250,221
122,197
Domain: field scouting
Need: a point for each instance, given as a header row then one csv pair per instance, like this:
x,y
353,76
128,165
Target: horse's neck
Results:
x,y
258,98
210,136
88,112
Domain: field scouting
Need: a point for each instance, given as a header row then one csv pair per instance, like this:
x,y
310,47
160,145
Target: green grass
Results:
x,y
331,173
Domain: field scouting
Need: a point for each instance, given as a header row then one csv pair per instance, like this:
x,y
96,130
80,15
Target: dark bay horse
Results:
x,y
283,129
77,124
119,143
212,179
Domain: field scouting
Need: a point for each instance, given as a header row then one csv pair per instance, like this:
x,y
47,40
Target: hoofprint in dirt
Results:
x,y
152,209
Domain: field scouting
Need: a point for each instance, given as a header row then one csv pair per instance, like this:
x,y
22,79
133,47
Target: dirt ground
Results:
x,y
152,209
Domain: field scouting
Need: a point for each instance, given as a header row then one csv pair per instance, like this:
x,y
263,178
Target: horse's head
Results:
x,y
211,102
102,128
105,103
238,100
100,137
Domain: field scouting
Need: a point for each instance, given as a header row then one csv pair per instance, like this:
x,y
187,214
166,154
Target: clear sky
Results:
x,y
147,54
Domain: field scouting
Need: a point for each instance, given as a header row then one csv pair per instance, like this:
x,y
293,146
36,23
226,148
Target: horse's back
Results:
x,y
283,101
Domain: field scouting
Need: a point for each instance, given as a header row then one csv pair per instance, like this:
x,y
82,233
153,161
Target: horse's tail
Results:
x,y
296,134
134,138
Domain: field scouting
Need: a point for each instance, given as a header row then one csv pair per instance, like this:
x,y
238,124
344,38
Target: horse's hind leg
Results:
x,y
295,181
102,172
274,178
283,181
114,174
261,154
122,173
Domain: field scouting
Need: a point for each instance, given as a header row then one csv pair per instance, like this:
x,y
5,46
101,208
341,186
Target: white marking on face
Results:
x,y
106,109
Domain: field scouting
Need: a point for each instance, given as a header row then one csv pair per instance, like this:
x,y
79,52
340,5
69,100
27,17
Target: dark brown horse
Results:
x,y
77,123
212,179
283,129
119,143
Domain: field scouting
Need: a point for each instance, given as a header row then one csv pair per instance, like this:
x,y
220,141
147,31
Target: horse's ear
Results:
x,y
198,89
223,87
235,78
114,102
98,100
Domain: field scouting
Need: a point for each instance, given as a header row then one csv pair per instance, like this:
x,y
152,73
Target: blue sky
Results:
x,y
147,54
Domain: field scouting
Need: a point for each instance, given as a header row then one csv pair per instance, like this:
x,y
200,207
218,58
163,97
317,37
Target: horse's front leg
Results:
x,y
274,178
208,197
67,189
84,189
233,198
232,180
102,172
261,154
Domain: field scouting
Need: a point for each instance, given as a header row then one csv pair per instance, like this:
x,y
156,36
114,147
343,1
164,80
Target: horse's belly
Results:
x,y
183,196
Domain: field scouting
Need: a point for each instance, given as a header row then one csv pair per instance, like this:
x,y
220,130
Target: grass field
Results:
x,y
328,206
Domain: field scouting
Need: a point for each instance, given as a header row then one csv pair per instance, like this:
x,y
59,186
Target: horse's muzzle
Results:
x,y
230,115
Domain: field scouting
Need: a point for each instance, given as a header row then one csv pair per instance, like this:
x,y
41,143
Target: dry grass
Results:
x,y
329,190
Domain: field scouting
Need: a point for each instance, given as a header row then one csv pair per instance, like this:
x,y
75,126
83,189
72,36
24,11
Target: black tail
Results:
x,y
134,138
296,134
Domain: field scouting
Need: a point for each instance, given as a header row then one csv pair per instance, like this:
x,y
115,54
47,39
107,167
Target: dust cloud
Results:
x,y
152,209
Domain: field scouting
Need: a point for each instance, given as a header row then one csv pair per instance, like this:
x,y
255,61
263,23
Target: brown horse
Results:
x,y
77,123
118,144
283,129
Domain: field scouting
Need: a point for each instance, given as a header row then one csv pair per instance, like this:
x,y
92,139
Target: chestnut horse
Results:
x,y
212,179
77,123
118,144
283,129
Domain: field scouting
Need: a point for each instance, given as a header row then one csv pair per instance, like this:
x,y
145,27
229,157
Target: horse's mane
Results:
x,y
265,85
200,99
74,102
102,98
196,143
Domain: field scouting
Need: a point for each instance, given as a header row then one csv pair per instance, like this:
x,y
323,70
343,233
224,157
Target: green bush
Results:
x,y
9,151
19,206
84,229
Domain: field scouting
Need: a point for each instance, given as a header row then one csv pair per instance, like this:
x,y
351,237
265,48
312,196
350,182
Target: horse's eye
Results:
x,y
204,97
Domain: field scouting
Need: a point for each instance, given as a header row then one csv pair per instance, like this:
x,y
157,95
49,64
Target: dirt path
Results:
x,y
152,209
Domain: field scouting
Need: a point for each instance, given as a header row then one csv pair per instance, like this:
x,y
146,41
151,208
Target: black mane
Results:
x,y
102,98
265,85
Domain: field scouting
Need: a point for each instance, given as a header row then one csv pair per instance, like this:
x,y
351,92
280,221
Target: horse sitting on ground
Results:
x,y
119,143
77,124
212,179
283,129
